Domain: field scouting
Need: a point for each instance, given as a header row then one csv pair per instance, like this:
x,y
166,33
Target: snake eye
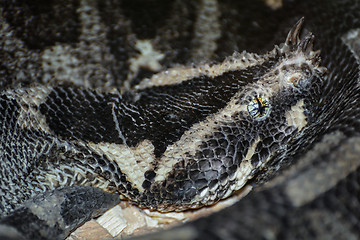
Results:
x,y
259,108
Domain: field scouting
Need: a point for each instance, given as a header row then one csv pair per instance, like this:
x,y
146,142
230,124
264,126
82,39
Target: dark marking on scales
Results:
x,y
160,114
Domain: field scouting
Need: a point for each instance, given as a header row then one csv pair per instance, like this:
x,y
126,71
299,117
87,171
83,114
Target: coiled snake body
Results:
x,y
187,135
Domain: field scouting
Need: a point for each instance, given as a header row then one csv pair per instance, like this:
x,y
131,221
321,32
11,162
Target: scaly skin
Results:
x,y
329,109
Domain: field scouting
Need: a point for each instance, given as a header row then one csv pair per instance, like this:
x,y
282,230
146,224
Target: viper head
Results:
x,y
255,127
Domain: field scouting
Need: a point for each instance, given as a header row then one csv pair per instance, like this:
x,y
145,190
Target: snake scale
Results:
x,y
158,102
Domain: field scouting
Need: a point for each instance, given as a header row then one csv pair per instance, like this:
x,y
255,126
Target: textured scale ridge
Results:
x,y
178,105
180,174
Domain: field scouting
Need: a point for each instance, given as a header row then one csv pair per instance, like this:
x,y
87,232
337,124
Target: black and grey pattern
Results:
x,y
75,110
200,129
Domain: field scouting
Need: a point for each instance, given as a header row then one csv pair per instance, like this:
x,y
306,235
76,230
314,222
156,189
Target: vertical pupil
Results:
x,y
258,108
261,107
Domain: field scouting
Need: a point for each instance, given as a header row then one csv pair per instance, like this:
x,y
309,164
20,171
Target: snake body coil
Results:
x,y
190,135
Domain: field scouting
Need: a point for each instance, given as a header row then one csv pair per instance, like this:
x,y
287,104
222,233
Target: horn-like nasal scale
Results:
x,y
292,38
298,61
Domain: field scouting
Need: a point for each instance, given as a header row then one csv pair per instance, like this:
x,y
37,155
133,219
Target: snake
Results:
x,y
176,105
